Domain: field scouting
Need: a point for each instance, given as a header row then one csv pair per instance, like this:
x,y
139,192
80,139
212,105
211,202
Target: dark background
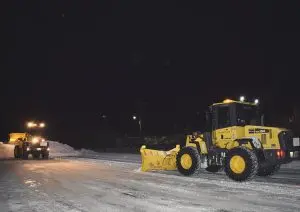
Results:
x,y
71,62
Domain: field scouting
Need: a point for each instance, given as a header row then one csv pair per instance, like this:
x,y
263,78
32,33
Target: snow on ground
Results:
x,y
90,181
82,185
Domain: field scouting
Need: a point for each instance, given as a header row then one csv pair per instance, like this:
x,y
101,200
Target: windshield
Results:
x,y
35,131
248,115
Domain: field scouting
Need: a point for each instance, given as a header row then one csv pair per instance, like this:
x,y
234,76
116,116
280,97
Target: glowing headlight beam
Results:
x,y
35,140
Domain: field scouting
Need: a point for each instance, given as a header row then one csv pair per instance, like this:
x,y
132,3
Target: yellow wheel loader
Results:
x,y
30,143
235,141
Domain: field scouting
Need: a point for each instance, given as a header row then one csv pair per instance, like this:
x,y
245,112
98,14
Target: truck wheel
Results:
x,y
188,161
241,164
25,156
268,170
24,153
45,155
36,155
214,168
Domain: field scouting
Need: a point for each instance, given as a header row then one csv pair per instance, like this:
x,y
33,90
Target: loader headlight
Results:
x,y
256,101
35,140
242,98
31,124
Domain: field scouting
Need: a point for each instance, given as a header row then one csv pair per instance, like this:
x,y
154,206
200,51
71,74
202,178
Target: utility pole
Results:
x,y
140,104
139,122
140,125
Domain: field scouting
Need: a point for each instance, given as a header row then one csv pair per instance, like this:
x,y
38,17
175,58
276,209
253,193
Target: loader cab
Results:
x,y
231,113
223,116
35,128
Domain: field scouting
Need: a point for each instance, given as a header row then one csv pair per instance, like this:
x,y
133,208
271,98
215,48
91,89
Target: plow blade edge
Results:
x,y
158,160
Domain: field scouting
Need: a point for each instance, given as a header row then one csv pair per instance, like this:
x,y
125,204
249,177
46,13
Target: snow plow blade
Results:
x,y
158,160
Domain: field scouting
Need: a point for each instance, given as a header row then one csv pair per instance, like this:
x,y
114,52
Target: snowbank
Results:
x,y
6,151
88,152
58,149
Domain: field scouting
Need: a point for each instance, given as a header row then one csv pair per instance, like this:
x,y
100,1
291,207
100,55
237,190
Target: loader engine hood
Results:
x,y
271,137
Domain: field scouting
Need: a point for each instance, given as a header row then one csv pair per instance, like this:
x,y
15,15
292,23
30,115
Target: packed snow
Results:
x,y
84,180
79,184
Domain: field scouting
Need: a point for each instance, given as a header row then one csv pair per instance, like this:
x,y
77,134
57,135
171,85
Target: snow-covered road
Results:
x,y
108,184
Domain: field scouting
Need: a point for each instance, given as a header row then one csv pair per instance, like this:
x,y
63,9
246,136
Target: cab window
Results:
x,y
223,117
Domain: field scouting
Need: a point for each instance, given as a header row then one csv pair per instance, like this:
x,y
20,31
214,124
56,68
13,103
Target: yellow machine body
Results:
x,y
221,137
226,138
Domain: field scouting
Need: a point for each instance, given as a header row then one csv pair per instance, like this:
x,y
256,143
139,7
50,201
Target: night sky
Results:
x,y
71,62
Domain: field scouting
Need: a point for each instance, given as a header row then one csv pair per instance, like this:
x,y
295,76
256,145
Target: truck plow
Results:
x,y
158,160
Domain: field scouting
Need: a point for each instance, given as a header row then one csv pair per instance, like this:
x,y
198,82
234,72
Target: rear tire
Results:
x,y
188,161
268,170
241,164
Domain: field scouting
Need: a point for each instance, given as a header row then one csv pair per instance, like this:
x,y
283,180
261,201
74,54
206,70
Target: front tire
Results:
x,y
17,152
45,155
241,164
188,161
268,170
36,155
24,153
